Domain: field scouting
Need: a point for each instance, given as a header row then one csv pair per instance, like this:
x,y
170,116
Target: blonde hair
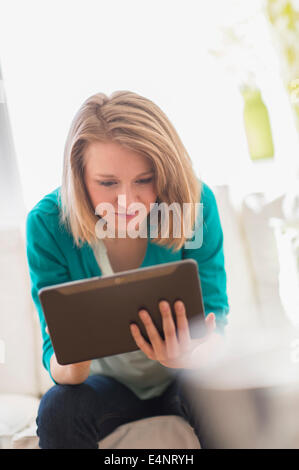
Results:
x,y
134,122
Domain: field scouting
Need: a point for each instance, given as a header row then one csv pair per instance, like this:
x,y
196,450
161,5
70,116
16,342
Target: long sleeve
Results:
x,y
47,267
210,260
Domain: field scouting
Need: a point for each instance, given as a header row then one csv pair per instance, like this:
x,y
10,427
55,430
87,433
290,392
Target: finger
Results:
x,y
47,331
171,341
153,334
141,342
182,323
210,322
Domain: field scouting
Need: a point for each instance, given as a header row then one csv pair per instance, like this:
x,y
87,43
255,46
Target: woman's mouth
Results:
x,y
124,214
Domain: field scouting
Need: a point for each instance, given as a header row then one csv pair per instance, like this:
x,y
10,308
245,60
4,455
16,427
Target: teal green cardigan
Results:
x,y
54,258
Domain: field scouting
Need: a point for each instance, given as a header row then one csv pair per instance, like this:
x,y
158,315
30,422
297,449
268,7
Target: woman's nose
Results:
x,y
126,197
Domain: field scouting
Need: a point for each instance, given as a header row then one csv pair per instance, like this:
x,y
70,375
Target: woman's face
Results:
x,y
112,170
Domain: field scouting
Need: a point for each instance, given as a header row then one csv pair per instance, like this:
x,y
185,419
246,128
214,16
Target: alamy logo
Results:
x,y
126,220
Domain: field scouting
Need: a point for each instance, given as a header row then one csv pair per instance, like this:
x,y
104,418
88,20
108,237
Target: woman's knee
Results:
x,y
62,405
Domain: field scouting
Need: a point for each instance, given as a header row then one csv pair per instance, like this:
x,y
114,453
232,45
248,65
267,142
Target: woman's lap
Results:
x,y
73,416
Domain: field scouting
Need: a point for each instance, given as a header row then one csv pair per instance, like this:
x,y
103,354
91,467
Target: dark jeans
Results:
x,y
78,416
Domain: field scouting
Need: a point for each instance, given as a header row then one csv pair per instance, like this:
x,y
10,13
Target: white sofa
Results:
x,y
252,272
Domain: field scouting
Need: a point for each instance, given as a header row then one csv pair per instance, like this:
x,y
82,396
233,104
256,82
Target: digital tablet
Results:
x,y
90,318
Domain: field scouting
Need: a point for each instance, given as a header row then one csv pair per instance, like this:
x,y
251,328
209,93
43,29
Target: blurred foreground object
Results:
x,y
249,398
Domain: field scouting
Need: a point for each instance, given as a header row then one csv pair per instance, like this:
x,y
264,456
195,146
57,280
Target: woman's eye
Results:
x,y
106,183
145,181
110,183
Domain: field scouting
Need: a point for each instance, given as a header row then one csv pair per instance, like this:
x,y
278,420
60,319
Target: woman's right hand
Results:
x,y
71,374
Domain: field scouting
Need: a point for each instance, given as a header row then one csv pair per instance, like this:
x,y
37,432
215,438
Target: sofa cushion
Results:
x,y
287,240
16,413
257,212
241,288
158,432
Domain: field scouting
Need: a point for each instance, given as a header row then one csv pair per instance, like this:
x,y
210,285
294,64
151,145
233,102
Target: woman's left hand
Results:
x,y
178,350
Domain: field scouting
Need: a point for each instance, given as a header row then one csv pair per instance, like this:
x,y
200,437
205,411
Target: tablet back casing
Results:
x,y
90,318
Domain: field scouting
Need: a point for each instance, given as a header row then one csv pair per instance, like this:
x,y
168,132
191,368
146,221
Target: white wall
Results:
x,y
56,53
12,208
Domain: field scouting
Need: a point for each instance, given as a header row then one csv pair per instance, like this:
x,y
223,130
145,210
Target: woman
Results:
x,y
122,145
